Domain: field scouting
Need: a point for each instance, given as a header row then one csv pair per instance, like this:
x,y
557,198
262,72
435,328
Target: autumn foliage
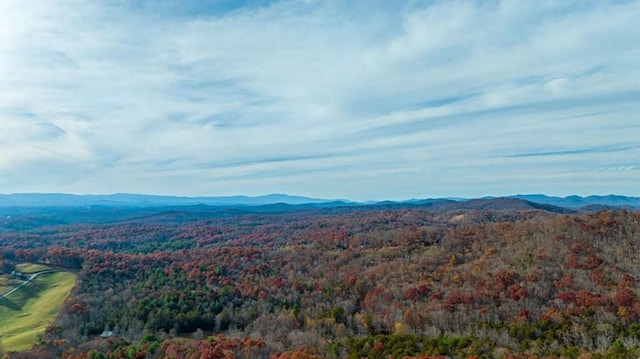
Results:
x,y
347,283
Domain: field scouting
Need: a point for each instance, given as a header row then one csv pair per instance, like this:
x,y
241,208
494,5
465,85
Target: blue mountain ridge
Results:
x,y
143,200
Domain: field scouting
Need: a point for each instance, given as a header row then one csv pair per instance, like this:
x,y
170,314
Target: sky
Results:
x,y
359,100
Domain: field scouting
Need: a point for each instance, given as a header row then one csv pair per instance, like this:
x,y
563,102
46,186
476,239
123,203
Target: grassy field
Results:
x,y
4,288
27,312
31,267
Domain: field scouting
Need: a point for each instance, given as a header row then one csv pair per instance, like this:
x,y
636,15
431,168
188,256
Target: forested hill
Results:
x,y
344,282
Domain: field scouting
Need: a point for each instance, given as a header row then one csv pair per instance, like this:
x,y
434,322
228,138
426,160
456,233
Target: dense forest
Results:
x,y
350,283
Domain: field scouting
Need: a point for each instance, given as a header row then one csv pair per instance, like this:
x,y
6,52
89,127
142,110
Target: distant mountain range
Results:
x,y
29,211
283,201
141,200
577,201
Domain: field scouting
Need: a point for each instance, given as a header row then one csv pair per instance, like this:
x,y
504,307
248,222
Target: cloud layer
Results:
x,y
322,98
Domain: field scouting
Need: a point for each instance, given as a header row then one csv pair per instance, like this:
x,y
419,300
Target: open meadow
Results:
x,y
26,313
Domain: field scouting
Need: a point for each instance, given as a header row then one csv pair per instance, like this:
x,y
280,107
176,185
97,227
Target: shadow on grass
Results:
x,y
31,289
9,304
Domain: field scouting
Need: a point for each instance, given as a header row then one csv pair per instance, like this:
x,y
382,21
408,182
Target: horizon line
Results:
x,y
322,198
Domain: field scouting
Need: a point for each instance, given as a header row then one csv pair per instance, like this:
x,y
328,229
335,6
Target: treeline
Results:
x,y
377,284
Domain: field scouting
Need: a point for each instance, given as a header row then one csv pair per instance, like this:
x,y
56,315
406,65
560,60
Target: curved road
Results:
x,y
33,276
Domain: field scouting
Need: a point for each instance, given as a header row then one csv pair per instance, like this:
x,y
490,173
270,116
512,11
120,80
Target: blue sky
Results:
x,y
336,99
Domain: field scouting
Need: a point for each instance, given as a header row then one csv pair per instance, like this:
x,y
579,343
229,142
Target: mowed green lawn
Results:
x,y
31,267
27,312
4,288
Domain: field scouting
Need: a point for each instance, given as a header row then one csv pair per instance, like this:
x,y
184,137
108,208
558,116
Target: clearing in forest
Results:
x,y
29,268
25,313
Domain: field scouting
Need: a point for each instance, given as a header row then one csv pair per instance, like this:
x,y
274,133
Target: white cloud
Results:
x,y
403,101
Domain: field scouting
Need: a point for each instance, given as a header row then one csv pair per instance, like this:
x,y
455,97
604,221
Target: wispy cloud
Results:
x,y
608,149
324,98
